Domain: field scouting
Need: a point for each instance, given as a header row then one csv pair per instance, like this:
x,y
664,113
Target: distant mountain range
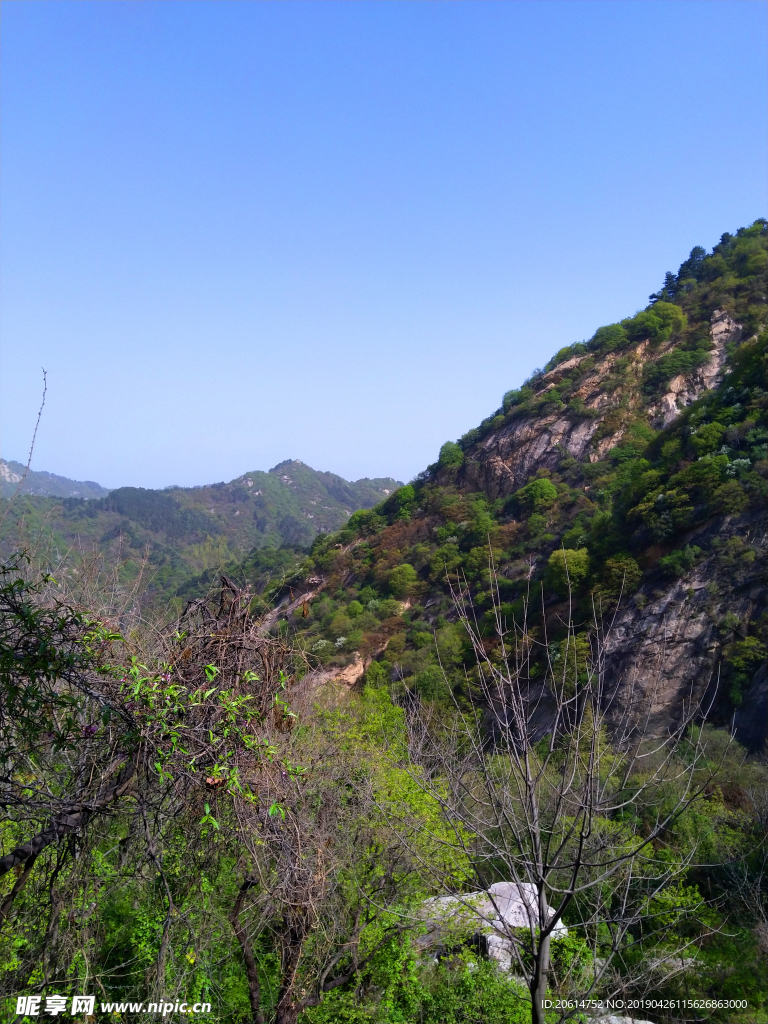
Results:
x,y
47,485
181,531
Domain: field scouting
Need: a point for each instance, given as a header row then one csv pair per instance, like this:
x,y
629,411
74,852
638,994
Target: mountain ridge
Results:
x,y
44,484
635,466
181,531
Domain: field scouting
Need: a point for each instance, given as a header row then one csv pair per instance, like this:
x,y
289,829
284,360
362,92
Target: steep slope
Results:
x,y
180,532
638,460
44,484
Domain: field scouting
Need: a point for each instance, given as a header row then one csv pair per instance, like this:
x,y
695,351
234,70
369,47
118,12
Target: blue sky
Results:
x,y
235,233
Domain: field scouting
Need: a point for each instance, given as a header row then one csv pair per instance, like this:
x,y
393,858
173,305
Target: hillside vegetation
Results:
x,y
15,477
169,535
634,465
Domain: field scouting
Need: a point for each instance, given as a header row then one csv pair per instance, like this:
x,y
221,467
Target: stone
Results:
x,y
487,914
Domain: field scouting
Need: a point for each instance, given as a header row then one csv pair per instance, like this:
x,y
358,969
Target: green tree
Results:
x,y
402,580
606,339
656,324
536,496
707,438
451,455
621,574
567,568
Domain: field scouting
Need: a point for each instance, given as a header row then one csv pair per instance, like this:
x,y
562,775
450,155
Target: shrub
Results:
x,y
365,522
657,375
657,324
402,580
606,339
621,574
375,675
571,661
745,655
578,348
680,561
567,568
450,455
707,438
664,512
354,640
535,496
729,498
400,504
430,684
701,478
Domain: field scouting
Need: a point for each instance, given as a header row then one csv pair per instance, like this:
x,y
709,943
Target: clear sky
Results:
x,y
239,232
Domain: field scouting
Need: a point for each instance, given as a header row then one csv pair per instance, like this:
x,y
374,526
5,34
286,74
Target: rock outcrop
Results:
x,y
665,646
488,916
685,389
506,457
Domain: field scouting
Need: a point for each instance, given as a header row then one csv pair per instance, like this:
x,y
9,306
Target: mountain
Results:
x,y
637,463
182,531
45,484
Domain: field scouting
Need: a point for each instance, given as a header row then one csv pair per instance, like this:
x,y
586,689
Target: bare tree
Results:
x,y
556,783
89,731
198,750
325,883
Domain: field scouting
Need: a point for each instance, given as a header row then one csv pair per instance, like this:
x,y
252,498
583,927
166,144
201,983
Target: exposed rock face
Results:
x,y
667,650
751,720
502,462
683,390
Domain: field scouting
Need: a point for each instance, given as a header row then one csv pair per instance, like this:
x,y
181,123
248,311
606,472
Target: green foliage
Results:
x,y
745,655
402,580
451,455
376,675
459,990
571,662
400,504
707,438
622,575
536,496
680,561
664,512
606,339
593,520
568,352
729,498
430,684
567,568
657,375
657,324
366,522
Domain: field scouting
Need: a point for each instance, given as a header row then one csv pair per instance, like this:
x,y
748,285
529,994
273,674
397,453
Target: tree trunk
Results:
x,y
540,964
539,982
251,970
63,824
289,1004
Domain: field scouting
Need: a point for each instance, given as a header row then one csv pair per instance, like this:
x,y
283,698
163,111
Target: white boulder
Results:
x,y
488,913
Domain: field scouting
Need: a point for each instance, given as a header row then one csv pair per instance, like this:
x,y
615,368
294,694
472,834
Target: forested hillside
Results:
x,y
15,477
167,536
466,760
631,466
